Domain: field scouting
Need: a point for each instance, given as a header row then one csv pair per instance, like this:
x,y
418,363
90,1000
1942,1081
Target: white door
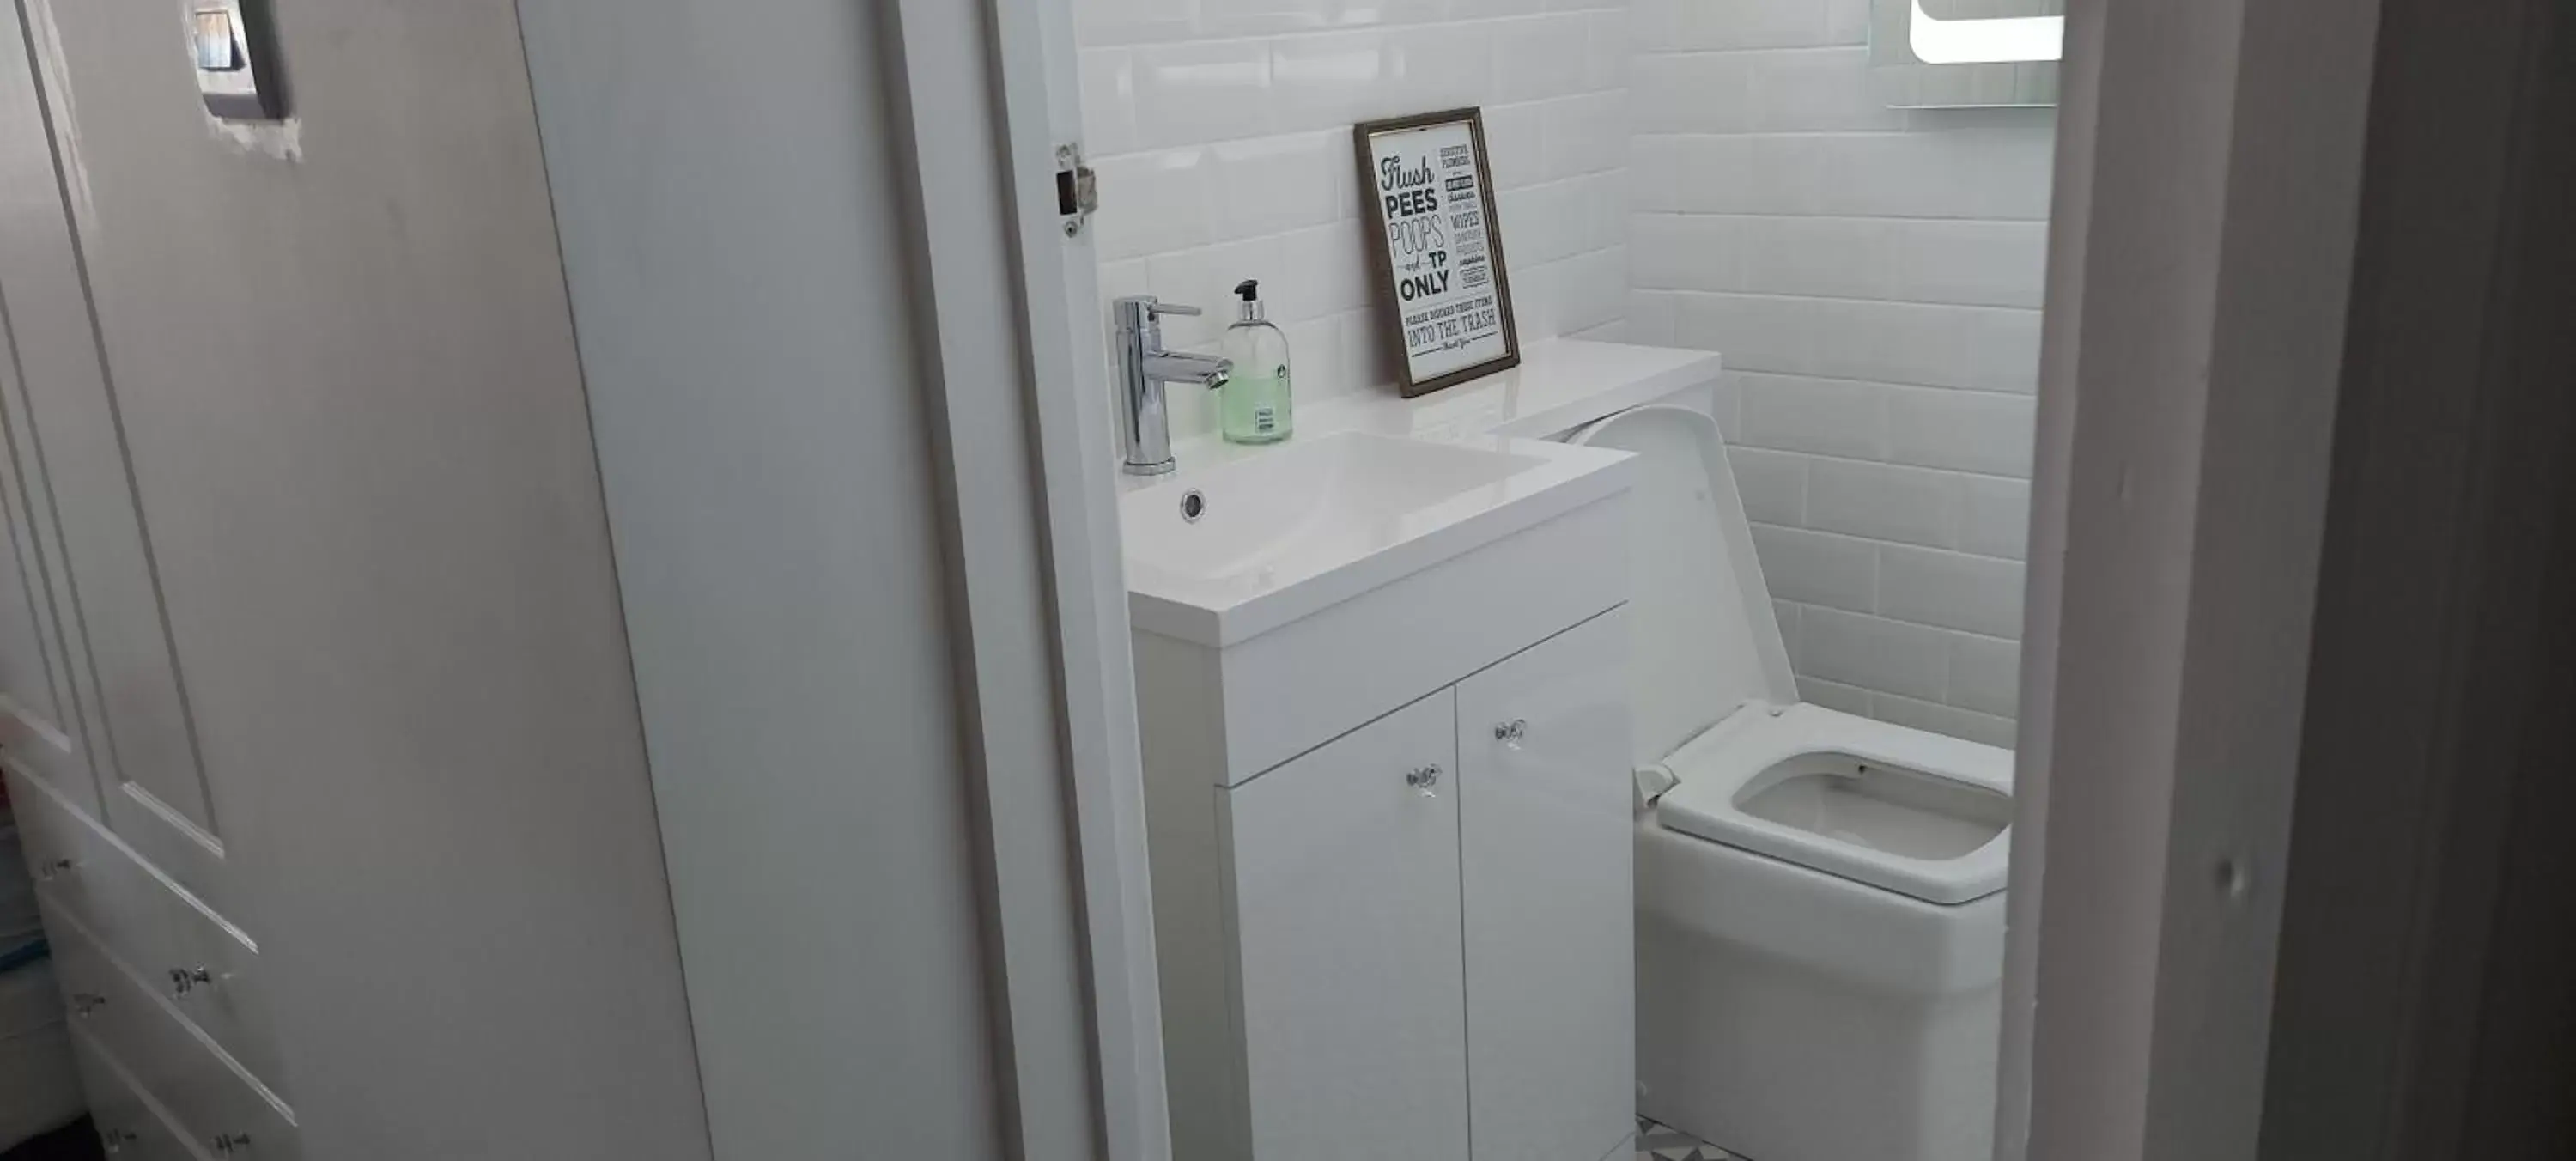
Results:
x,y
118,741
1543,798
1346,908
36,721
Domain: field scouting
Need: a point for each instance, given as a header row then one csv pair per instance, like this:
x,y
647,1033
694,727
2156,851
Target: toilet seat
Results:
x,y
1716,708
1723,770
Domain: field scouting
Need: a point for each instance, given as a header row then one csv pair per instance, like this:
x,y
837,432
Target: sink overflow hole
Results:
x,y
1193,506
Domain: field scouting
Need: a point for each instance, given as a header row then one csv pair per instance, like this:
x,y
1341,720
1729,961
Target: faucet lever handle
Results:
x,y
1142,312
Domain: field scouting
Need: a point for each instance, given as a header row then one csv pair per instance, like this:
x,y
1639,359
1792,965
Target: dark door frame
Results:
x,y
2302,646
2426,999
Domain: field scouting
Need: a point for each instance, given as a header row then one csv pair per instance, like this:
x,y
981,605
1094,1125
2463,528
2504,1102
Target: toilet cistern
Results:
x,y
1143,368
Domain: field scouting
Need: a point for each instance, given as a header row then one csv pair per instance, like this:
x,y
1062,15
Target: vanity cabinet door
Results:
x,y
1547,849
1345,908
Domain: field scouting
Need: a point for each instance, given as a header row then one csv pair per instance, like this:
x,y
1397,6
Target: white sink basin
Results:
x,y
1220,553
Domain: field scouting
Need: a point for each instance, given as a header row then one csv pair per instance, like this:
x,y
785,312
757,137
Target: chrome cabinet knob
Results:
x,y
1423,778
230,1144
186,980
1512,731
84,1003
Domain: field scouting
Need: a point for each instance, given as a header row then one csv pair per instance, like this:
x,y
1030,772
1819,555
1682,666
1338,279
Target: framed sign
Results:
x,y
1444,297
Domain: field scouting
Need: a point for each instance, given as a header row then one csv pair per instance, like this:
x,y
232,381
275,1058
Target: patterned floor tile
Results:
x,y
1658,1143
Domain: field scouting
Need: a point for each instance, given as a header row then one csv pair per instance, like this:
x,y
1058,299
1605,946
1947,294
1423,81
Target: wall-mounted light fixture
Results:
x,y
1984,40
1951,53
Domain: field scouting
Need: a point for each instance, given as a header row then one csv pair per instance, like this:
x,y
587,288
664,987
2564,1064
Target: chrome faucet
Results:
x,y
1143,368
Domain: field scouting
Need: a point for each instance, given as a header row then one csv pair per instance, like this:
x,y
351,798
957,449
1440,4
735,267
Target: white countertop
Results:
x,y
1560,385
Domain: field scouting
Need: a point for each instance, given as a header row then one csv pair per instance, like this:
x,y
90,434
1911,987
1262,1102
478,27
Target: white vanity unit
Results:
x,y
1383,689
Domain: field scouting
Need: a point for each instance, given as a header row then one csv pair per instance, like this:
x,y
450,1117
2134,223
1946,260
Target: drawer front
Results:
x,y
77,871
148,925
1301,684
216,1106
129,1128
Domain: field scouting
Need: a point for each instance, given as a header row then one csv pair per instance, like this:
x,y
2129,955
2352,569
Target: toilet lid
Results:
x,y
1705,641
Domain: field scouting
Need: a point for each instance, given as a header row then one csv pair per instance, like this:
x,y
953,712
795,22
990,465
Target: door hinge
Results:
x,y
1077,189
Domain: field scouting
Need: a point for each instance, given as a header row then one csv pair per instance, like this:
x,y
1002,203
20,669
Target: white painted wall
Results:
x,y
1873,277
1222,133
734,241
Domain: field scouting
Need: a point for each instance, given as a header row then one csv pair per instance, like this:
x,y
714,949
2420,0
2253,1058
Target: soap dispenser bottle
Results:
x,y
1254,401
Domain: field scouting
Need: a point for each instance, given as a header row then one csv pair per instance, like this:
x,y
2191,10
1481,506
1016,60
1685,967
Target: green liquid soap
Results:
x,y
1254,404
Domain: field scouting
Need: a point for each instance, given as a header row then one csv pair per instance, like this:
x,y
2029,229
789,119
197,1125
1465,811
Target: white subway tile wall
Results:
x,y
1873,277
1221,133
1706,173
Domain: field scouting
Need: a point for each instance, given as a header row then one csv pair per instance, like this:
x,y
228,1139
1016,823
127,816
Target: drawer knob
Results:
x,y
186,980
84,1003
1425,779
53,869
231,1144
1512,731
115,1140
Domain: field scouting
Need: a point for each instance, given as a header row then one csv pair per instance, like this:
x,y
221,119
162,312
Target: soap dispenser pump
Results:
x,y
1255,402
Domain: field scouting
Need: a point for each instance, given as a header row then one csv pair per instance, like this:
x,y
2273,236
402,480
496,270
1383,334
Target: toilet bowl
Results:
x,y
1804,991
1820,896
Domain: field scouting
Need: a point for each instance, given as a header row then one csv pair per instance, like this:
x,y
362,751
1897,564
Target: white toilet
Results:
x,y
1820,896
